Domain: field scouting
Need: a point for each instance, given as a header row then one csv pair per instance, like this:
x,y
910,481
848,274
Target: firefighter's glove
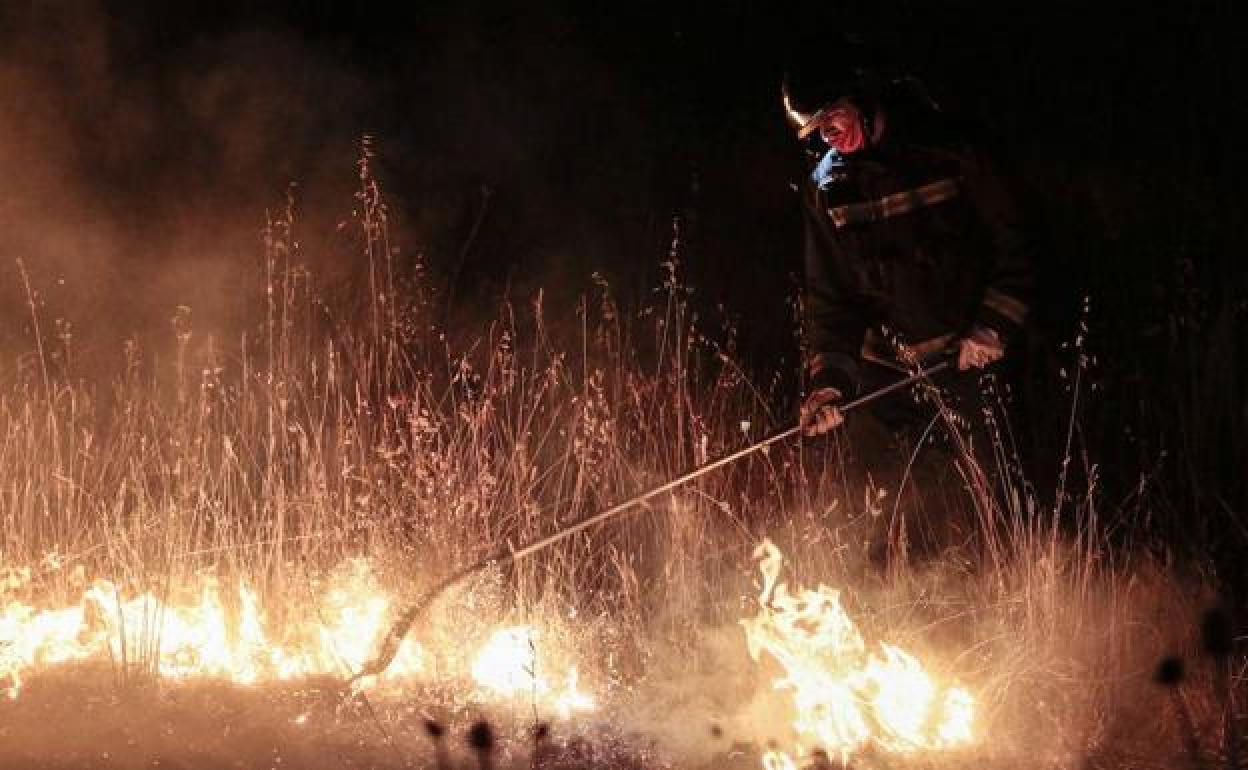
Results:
x,y
820,412
980,348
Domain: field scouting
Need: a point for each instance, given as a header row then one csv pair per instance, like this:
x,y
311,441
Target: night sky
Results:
x,y
142,143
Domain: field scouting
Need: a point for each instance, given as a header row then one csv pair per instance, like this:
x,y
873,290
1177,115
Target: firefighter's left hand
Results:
x,y
979,349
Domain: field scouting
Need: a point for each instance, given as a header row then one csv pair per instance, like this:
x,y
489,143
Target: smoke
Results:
x,y
706,698
141,150
138,171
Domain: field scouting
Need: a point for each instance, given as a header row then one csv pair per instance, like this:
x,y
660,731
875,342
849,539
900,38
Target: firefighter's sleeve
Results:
x,y
833,322
1011,279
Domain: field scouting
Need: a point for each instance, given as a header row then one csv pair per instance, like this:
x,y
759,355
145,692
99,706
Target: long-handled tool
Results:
x,y
390,646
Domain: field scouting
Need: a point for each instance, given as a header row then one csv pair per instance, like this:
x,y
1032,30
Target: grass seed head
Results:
x,y
1170,672
481,737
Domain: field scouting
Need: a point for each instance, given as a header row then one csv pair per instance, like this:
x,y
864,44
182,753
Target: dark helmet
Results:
x,y
825,71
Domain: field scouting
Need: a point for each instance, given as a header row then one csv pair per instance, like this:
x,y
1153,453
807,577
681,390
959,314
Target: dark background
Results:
x,y
527,145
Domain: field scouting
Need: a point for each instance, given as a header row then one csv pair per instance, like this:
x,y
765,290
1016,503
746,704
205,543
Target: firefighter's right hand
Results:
x,y
820,412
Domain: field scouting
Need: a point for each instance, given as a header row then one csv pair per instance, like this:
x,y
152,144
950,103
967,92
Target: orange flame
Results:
x,y
845,697
200,638
203,638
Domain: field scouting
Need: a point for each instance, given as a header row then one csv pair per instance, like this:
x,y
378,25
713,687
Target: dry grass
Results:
x,y
338,429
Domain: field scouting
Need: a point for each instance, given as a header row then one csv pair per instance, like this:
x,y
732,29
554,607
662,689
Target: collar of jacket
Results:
x,y
834,168
830,169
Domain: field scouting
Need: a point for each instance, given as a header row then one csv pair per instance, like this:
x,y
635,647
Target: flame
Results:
x,y
202,638
508,666
206,638
845,696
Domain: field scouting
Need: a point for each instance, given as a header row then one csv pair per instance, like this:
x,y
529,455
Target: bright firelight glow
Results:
x,y
509,665
203,637
846,697
210,637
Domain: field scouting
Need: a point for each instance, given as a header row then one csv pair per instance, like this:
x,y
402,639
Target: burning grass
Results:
x,y
208,545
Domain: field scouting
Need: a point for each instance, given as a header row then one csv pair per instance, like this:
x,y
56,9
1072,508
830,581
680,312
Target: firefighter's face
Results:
x,y
840,127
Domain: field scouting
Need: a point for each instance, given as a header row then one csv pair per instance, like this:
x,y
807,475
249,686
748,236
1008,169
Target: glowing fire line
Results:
x,y
204,638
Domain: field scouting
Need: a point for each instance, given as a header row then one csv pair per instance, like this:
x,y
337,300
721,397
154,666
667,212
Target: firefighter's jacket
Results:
x,y
911,242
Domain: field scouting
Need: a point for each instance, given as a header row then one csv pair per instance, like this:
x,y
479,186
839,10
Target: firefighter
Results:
x,y
913,249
